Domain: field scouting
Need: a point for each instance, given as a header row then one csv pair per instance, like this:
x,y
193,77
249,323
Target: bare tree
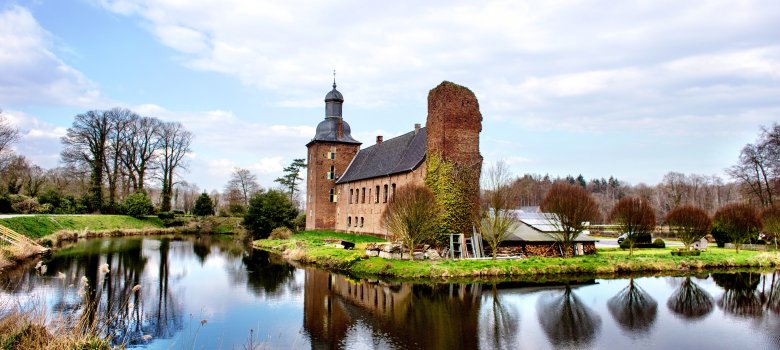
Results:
x,y
741,222
411,216
689,224
14,173
635,217
8,135
498,217
242,184
117,141
216,199
758,168
770,217
85,142
175,143
143,136
572,208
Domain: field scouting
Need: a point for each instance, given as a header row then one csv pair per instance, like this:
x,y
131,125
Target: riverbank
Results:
x,y
311,248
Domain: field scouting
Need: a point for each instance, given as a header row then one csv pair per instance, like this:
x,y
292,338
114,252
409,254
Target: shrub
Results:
x,y
138,204
5,205
165,215
281,233
269,210
26,206
300,222
721,238
659,243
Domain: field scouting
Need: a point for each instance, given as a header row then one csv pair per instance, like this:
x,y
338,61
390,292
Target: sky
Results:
x,y
631,89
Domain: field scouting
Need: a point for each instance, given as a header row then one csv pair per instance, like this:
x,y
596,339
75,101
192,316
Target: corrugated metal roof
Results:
x,y
396,155
538,227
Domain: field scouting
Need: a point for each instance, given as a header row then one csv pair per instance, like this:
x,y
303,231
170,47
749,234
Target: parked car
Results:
x,y
643,238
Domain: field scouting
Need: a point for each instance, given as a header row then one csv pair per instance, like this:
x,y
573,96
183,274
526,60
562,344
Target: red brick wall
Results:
x,y
320,211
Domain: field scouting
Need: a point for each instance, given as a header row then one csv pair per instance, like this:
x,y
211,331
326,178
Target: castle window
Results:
x,y
385,196
350,195
331,174
363,196
361,221
393,194
332,196
349,221
376,200
369,195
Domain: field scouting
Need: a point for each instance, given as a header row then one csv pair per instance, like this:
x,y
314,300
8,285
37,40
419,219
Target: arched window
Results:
x,y
349,221
376,200
361,221
385,196
350,195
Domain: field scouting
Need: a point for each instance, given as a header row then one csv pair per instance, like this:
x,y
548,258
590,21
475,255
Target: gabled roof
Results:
x,y
537,227
397,155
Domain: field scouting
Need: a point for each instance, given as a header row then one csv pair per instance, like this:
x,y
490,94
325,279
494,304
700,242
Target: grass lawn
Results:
x,y
310,247
43,225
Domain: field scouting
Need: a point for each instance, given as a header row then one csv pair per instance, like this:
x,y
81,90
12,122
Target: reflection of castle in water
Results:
x,y
336,309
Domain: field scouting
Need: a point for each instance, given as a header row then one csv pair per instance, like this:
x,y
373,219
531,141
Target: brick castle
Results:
x,y
348,187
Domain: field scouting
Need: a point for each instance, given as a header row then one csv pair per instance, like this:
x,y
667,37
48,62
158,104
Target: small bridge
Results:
x,y
9,237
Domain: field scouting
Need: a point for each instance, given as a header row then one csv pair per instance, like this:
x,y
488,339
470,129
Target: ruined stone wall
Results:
x,y
320,211
453,126
546,249
365,216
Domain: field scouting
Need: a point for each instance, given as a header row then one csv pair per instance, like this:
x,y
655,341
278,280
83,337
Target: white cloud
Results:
x,y
30,72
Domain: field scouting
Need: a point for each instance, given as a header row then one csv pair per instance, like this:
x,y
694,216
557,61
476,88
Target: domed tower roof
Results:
x,y
334,128
334,95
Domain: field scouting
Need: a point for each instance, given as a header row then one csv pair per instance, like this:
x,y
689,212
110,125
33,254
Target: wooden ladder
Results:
x,y
456,246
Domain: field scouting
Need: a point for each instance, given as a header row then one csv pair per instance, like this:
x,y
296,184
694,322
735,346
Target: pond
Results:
x,y
213,293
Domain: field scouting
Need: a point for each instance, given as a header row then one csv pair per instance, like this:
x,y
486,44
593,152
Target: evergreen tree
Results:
x,y
267,211
292,176
203,205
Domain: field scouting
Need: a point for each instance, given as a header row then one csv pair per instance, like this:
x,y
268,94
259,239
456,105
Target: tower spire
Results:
x,y
334,78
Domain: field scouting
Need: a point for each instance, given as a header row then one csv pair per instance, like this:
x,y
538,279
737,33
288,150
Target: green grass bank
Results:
x,y
310,247
39,226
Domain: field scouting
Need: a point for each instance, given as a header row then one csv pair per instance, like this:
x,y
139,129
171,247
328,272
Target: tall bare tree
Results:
x,y
8,135
242,185
498,217
143,142
572,208
86,142
175,143
117,141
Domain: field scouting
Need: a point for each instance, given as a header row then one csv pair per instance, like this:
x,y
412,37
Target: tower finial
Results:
x,y
334,78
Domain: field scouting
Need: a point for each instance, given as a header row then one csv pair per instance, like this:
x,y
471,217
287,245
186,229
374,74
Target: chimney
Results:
x,y
416,128
378,139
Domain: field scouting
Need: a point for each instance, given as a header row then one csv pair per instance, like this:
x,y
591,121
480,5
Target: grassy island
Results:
x,y
311,247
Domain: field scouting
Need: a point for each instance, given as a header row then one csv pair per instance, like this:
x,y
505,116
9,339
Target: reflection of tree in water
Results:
x,y
201,249
740,297
501,324
266,272
633,308
772,296
108,305
690,301
566,320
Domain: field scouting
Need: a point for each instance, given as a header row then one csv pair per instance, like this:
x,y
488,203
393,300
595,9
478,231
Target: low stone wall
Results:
x,y
396,251
760,247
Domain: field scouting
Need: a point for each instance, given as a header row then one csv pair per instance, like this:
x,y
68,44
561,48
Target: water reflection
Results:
x,y
740,293
690,301
235,290
500,323
633,309
340,312
566,320
266,272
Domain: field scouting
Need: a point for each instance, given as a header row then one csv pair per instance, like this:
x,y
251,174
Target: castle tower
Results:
x,y
330,152
453,125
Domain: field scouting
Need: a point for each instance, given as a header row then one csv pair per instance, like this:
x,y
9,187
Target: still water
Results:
x,y
207,293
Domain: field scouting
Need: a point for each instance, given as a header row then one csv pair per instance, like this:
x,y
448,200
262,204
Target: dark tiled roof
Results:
x,y
396,155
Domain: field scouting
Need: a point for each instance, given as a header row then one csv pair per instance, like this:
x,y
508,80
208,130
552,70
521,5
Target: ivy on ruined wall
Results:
x,y
453,187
